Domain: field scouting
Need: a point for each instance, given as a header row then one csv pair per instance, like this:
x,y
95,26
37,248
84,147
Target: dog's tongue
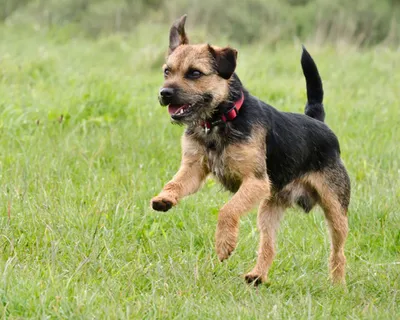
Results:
x,y
173,108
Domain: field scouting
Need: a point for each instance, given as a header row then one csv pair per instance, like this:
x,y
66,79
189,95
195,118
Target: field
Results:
x,y
84,146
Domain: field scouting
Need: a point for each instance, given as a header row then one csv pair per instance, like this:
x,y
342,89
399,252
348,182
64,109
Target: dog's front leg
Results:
x,y
250,193
187,180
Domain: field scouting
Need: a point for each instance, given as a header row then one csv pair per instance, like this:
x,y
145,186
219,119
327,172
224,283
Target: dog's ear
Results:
x,y
177,35
225,61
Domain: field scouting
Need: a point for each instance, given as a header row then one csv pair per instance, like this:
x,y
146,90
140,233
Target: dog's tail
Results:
x,y
315,93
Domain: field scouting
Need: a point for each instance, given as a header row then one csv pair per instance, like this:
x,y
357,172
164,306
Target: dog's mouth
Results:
x,y
179,111
191,111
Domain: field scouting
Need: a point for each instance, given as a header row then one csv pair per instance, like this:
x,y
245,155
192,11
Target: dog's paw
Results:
x,y
162,203
225,243
254,278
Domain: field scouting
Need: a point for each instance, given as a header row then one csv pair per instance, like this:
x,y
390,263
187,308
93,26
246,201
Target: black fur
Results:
x,y
225,61
315,93
296,143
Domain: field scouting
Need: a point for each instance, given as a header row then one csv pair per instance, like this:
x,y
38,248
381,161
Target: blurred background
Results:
x,y
359,22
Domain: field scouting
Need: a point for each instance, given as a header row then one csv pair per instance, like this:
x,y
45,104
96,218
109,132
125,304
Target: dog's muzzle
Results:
x,y
166,96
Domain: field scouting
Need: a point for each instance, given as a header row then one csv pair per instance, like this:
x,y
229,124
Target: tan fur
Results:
x,y
197,57
269,216
250,193
241,162
319,186
189,177
249,158
336,217
271,211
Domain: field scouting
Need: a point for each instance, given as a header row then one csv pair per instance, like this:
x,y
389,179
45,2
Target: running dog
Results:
x,y
265,157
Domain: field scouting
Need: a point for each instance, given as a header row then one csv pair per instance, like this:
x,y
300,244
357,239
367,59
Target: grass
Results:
x,y
77,236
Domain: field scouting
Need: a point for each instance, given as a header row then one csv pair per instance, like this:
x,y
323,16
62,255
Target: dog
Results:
x,y
265,157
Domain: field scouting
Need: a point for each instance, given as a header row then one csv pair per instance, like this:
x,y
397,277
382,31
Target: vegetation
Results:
x,y
84,146
361,22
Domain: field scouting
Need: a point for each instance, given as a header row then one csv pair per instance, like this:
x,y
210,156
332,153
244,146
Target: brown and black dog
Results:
x,y
266,157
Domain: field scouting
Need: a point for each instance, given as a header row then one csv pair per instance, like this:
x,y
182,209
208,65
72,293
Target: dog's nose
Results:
x,y
167,92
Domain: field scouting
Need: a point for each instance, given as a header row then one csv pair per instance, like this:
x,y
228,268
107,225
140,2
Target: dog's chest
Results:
x,y
215,162
218,163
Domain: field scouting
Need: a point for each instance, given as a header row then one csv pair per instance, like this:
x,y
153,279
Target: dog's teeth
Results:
x,y
181,111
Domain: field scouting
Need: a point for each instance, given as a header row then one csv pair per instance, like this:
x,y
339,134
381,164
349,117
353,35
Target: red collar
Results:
x,y
231,114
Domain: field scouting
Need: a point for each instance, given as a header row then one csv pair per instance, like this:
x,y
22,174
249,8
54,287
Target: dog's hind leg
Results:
x,y
269,216
333,187
338,227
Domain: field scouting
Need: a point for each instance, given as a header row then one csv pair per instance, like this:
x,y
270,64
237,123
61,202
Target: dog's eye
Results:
x,y
194,74
166,72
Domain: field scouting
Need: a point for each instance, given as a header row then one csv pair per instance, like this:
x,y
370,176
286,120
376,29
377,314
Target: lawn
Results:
x,y
84,146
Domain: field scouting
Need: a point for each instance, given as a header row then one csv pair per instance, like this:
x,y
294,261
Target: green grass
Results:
x,y
77,236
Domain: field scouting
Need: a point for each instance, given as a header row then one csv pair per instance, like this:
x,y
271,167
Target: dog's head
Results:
x,y
196,77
